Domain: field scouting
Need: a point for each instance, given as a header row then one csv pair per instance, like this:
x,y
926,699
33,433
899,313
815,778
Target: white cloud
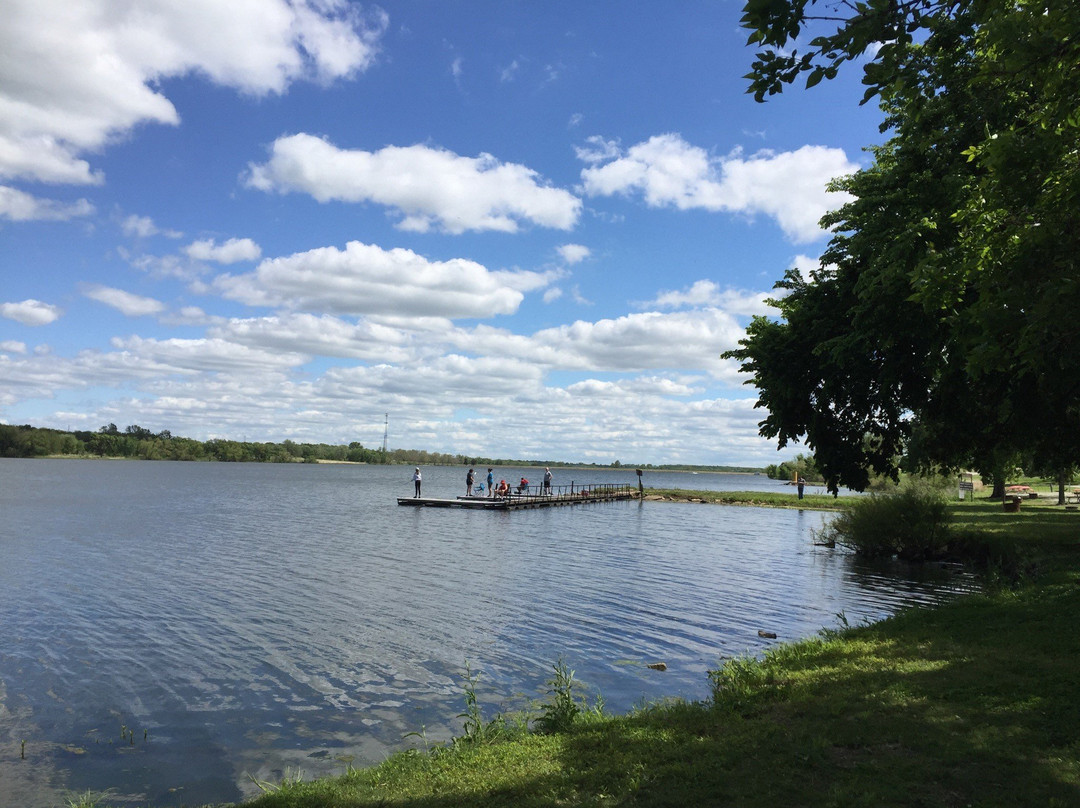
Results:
x,y
125,302
708,293
12,346
321,336
232,251
30,312
77,74
508,73
669,172
598,150
211,354
191,316
163,266
429,187
574,253
805,264
144,227
22,207
366,279
646,341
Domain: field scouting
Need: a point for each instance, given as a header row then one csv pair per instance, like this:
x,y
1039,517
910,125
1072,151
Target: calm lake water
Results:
x,y
171,630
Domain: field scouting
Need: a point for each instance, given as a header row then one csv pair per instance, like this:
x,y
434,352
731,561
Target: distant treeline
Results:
x,y
802,465
144,444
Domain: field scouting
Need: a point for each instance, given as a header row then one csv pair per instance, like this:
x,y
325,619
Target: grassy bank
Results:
x,y
976,702
783,498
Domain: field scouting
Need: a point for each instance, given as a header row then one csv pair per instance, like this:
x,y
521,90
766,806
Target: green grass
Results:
x,y
975,702
763,499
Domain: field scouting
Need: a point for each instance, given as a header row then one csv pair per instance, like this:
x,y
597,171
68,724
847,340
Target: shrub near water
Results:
x,y
910,523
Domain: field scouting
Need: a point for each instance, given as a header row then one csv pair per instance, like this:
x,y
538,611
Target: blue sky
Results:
x,y
521,229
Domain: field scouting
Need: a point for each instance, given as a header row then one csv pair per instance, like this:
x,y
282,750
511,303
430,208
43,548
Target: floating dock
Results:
x,y
534,496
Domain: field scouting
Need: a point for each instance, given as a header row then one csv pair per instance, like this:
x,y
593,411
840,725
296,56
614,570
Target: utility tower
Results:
x,y
386,430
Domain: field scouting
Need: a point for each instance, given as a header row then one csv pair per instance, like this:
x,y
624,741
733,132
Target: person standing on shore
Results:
x,y
491,482
416,482
800,483
468,483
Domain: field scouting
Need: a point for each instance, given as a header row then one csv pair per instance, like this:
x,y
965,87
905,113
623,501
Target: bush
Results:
x,y
910,523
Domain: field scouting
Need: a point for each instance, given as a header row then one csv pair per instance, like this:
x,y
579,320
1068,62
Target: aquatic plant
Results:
x,y
567,706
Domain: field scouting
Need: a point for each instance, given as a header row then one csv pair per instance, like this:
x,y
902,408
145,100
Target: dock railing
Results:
x,y
574,491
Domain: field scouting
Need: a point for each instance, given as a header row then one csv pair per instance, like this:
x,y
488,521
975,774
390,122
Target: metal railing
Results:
x,y
573,491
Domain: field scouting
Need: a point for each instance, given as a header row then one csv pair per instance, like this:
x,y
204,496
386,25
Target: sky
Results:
x,y
510,229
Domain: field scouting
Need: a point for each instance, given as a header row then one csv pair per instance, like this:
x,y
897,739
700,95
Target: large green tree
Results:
x,y
941,322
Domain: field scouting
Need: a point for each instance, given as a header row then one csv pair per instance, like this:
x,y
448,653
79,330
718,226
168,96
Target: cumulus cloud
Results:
x,y
462,381
130,304
669,172
708,293
208,354
163,266
597,149
645,341
574,253
77,74
191,315
366,279
232,251
12,346
144,227
30,312
19,206
319,335
431,188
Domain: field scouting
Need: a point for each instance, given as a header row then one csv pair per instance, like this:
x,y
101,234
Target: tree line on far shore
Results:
x,y
140,443
136,442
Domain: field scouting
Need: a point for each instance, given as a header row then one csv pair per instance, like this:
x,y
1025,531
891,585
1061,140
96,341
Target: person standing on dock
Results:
x,y
416,481
491,483
547,482
468,483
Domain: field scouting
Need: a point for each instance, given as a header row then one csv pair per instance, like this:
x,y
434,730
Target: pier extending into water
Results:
x,y
532,496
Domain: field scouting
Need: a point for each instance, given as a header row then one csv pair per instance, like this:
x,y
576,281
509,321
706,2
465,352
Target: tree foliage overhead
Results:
x,y
941,322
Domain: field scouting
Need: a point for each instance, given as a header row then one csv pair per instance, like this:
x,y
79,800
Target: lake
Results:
x,y
170,631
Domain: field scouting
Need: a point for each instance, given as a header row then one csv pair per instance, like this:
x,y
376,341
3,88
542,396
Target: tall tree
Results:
x,y
940,309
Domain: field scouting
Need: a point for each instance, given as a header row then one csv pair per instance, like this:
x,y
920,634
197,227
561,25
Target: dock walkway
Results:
x,y
534,496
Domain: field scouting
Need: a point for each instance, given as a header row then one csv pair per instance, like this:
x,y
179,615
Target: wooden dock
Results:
x,y
534,496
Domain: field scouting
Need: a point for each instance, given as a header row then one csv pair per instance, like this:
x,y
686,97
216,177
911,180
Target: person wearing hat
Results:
x,y
416,482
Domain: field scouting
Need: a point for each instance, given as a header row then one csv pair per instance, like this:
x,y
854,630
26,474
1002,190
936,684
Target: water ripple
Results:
x,y
241,619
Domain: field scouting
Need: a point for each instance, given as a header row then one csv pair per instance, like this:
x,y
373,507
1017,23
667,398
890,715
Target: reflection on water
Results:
x,y
168,629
